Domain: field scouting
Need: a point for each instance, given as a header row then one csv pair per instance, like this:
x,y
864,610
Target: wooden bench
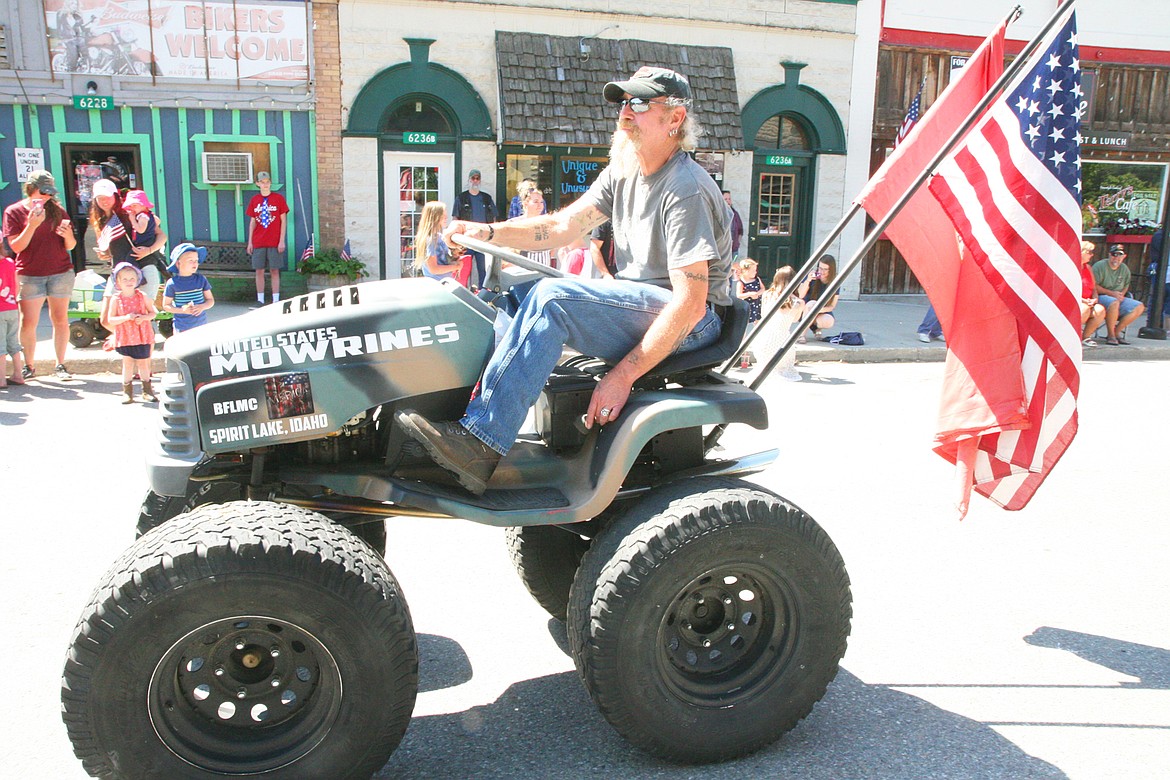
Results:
x,y
228,262
226,259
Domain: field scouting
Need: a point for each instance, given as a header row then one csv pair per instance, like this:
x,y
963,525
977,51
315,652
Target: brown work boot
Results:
x,y
128,390
454,448
148,391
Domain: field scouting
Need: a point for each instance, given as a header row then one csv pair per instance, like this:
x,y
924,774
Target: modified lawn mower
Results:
x,y
254,627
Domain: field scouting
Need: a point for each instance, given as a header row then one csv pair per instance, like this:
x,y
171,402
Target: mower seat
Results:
x,y
735,324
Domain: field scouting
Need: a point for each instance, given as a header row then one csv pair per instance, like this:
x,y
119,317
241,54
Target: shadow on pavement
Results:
x,y
548,728
441,663
560,635
1151,665
33,390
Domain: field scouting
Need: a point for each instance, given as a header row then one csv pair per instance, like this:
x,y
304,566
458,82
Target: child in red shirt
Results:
x,y
9,323
131,314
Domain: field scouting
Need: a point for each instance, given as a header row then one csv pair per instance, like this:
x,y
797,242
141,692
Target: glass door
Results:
x,y
779,226
412,181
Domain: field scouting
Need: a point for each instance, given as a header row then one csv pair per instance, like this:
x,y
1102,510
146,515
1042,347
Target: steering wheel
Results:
x,y
499,254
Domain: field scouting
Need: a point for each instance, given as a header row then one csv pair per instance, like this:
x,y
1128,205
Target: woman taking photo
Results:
x,y
39,232
812,288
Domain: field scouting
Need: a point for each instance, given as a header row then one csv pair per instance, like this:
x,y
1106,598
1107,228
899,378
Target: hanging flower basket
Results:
x,y
1127,238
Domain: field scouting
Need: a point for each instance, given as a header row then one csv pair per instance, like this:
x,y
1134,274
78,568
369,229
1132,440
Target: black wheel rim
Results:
x,y
726,635
244,695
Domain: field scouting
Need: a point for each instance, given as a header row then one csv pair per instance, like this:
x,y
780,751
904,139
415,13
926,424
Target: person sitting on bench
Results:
x,y
1113,278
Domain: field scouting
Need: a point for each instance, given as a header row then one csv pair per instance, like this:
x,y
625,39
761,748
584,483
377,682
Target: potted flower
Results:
x,y
327,268
1130,231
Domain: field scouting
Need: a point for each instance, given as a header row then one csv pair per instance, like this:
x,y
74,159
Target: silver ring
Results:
x,y
604,412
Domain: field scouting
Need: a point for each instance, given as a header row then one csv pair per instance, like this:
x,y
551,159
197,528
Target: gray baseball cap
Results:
x,y
43,181
650,82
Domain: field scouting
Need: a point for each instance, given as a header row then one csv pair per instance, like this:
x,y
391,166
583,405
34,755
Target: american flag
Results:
x,y
309,251
1013,191
110,233
345,253
911,116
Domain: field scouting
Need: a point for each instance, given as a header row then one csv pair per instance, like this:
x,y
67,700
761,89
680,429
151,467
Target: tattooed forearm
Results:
x,y
696,276
541,233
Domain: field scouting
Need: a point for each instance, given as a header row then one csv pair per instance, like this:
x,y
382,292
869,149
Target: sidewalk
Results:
x,y
888,324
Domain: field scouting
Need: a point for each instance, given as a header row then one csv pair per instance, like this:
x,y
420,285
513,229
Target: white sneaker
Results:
x,y
924,338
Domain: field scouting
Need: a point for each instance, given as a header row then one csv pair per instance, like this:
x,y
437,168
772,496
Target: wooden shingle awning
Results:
x,y
551,90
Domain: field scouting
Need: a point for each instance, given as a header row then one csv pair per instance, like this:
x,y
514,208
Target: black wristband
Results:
x,y
491,233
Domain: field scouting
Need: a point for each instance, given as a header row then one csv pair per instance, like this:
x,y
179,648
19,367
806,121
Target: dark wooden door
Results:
x,y
779,225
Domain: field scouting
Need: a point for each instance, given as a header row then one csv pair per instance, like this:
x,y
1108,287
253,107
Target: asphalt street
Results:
x,y
1032,644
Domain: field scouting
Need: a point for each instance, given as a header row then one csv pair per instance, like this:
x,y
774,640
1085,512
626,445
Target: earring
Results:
x,y
673,132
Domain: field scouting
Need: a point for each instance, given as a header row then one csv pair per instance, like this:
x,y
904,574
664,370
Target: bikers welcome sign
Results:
x,y
211,39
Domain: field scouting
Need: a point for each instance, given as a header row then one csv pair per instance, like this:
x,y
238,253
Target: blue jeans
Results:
x,y
930,325
480,273
602,318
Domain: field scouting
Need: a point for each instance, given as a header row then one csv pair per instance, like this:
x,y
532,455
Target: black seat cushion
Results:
x,y
735,324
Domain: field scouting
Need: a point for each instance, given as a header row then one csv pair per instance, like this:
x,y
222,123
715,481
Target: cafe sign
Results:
x,y
1107,139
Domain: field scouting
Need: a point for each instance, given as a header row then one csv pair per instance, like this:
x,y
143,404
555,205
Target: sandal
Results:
x,y
1089,343
1121,340
1112,342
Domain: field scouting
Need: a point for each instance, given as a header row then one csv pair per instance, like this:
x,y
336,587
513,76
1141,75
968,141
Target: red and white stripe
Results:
x,y
1022,227
110,233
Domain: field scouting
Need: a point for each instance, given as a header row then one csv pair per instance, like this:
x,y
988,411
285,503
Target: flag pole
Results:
x,y
871,238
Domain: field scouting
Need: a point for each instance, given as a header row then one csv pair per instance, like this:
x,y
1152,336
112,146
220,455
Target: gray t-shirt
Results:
x,y
670,219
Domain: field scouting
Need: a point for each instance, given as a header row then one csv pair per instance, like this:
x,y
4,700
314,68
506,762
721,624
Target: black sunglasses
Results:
x,y
638,105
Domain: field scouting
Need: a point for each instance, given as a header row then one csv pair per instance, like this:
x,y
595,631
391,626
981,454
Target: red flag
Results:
x,y
1002,287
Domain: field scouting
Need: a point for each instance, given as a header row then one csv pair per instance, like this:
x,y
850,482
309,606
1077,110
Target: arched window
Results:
x,y
782,132
415,116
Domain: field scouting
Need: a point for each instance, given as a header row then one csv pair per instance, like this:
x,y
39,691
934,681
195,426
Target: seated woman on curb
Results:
x,y
1092,312
811,290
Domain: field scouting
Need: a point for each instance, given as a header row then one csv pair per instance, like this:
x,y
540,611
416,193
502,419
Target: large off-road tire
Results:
x,y
157,509
708,619
370,530
242,639
546,558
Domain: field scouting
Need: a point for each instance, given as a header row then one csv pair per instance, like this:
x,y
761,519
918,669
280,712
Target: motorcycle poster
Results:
x,y
85,174
265,40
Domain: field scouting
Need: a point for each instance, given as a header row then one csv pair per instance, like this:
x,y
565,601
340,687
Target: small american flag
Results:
x,y
309,251
912,115
110,233
345,253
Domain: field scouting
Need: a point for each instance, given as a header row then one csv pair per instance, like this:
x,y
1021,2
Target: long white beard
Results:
x,y
623,155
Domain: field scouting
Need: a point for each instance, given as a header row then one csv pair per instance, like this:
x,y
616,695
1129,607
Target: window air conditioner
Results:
x,y
227,167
